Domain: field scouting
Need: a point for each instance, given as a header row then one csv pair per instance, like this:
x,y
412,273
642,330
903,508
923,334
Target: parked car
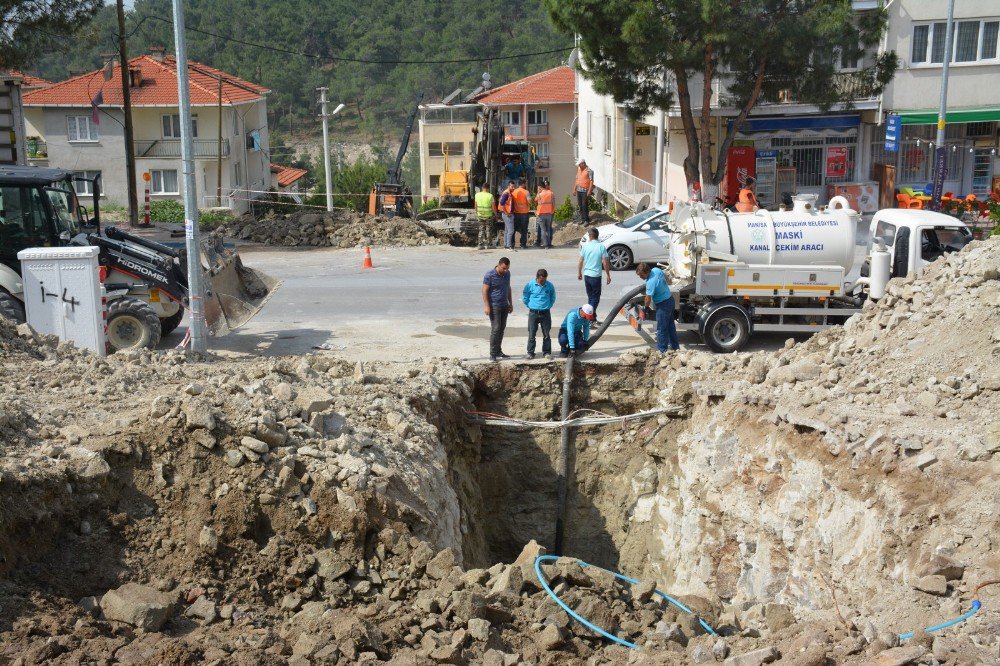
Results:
x,y
639,238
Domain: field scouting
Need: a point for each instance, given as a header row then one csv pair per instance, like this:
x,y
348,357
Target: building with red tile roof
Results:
x,y
540,108
285,177
28,81
78,124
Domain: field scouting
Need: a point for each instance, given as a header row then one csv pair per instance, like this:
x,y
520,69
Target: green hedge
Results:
x,y
166,211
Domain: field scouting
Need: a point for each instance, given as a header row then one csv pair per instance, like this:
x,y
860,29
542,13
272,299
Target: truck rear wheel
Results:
x,y
168,324
132,324
11,308
726,331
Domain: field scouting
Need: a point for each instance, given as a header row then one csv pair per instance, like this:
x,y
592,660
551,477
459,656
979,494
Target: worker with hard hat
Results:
x,y
575,329
506,208
486,209
584,186
747,202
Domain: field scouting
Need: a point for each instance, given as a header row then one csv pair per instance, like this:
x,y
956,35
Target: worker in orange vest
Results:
x,y
545,208
506,208
522,211
747,202
584,186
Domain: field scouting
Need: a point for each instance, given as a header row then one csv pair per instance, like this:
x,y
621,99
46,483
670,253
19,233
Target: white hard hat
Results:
x,y
588,311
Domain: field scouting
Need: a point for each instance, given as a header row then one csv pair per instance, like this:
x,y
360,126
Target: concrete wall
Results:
x,y
918,86
107,154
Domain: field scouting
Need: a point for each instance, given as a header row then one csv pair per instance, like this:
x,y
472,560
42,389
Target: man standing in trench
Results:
x,y
498,304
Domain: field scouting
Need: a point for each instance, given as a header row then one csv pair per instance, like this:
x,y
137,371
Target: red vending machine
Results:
x,y
740,165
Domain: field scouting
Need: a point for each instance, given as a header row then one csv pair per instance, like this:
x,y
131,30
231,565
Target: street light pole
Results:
x,y
940,151
326,144
196,290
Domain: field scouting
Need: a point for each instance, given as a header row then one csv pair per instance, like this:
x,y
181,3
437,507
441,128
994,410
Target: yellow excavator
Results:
x,y
455,189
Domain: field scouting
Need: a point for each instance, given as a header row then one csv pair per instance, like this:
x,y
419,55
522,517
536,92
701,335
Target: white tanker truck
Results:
x,y
794,271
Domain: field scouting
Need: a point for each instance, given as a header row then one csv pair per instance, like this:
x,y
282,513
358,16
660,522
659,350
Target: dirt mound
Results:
x,y
809,505
568,233
340,228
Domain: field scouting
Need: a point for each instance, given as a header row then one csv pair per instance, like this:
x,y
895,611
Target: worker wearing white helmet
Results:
x,y
575,329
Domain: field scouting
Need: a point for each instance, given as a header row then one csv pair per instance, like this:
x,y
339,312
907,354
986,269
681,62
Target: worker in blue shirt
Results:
x,y
593,258
514,171
575,329
658,295
539,296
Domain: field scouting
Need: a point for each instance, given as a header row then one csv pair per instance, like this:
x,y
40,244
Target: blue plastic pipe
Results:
x,y
593,627
976,605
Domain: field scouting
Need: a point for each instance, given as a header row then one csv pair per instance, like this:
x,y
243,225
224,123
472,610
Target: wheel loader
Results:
x,y
145,281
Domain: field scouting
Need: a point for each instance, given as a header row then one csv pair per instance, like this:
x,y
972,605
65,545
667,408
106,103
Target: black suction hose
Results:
x,y
562,465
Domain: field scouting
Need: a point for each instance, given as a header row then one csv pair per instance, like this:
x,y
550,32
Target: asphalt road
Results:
x,y
415,303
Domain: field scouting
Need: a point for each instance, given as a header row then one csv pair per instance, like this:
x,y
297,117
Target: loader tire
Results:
x,y
11,308
132,324
168,324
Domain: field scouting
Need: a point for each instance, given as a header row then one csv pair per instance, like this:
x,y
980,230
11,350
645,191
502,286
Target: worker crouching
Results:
x,y
575,330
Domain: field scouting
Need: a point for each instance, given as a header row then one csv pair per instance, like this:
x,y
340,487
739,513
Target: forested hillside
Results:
x,y
334,32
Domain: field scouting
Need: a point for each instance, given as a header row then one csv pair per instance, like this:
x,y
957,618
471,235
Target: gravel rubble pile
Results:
x,y
307,510
340,228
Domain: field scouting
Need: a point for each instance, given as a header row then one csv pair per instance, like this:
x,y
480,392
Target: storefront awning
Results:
x,y
797,123
956,116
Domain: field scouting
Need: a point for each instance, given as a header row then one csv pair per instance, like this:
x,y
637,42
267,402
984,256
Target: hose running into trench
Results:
x,y
590,625
565,437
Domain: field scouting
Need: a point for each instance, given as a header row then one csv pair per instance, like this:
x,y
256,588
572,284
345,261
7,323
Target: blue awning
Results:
x,y
794,123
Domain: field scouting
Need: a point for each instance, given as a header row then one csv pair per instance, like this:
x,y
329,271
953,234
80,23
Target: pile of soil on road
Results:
x,y
339,228
809,504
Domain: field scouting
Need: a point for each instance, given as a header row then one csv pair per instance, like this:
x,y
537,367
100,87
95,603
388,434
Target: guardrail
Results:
x,y
172,148
630,188
540,129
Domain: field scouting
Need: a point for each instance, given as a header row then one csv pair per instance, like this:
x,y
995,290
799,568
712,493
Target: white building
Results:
x,y
798,148
74,133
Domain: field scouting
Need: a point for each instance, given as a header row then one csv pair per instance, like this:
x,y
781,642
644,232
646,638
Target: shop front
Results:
x,y
801,155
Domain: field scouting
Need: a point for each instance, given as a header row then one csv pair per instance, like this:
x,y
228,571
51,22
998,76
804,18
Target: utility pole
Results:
x,y
196,290
218,162
940,151
326,148
133,189
661,121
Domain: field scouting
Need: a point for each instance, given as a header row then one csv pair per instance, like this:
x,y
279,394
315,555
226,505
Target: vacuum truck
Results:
x,y
791,271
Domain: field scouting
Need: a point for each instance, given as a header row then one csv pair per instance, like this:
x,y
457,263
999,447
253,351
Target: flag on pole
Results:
x,y
94,104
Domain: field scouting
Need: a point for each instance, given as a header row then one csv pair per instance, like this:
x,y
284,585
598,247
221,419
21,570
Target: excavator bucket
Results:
x,y
234,293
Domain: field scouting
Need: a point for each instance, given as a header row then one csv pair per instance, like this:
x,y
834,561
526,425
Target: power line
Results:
x,y
318,56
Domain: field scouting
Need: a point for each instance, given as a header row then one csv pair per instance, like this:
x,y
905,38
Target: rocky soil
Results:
x,y
809,505
340,228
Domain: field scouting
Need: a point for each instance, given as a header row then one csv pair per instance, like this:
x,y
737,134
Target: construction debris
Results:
x,y
310,510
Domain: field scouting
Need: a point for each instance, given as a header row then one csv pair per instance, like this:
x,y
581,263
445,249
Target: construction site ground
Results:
x,y
289,505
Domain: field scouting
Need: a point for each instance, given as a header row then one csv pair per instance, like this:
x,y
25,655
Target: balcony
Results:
x,y
855,86
542,163
541,129
171,148
513,131
38,152
629,189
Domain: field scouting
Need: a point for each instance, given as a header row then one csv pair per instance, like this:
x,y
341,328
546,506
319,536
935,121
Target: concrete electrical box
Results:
x,y
62,294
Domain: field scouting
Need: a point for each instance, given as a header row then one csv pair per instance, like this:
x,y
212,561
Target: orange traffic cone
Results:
x,y
368,258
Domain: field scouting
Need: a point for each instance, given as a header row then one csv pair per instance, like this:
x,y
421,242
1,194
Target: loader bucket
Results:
x,y
234,293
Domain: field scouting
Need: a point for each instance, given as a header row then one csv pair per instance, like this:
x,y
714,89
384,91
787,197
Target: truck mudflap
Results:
x,y
234,294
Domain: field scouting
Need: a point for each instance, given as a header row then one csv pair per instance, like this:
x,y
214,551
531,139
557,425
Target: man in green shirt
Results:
x,y
485,211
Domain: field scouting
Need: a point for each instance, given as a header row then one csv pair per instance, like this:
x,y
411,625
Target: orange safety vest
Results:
x,y
520,197
747,202
508,206
583,180
546,203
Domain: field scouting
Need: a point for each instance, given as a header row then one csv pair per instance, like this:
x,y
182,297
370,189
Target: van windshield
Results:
x,y
65,208
639,218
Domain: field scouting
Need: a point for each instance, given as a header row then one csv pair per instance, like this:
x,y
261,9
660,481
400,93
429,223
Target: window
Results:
x,y
607,134
542,150
237,174
172,126
434,182
538,117
511,117
22,217
437,148
590,128
164,181
887,232
85,184
80,128
974,41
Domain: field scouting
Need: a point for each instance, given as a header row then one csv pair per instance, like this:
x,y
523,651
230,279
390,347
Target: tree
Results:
x,y
30,27
760,50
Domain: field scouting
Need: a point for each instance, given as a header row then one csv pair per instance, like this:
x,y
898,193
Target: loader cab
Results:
x,y
916,238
